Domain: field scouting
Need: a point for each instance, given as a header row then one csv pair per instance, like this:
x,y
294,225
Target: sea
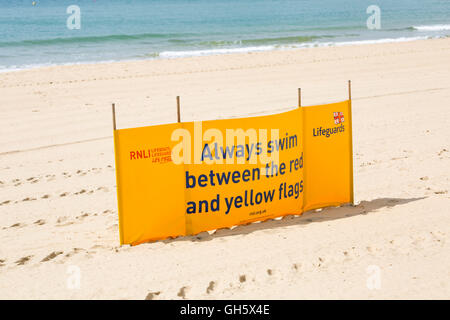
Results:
x,y
59,32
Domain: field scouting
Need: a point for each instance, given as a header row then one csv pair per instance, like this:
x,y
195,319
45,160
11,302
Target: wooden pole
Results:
x,y
299,97
350,90
114,115
178,109
352,197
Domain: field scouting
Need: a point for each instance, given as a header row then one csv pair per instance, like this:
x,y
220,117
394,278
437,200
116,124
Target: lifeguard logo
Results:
x,y
156,155
338,117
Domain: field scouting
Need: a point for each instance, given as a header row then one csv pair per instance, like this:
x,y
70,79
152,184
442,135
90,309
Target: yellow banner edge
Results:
x,y
119,202
352,196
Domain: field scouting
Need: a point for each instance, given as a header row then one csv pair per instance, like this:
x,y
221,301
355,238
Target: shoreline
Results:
x,y
229,51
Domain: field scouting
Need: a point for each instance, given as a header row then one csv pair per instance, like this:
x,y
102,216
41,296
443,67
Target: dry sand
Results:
x,y
58,212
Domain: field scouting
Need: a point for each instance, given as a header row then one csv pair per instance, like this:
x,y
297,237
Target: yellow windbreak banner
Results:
x,y
328,158
182,179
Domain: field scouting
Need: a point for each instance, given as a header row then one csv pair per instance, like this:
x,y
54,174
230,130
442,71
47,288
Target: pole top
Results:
x,y
350,89
114,115
178,110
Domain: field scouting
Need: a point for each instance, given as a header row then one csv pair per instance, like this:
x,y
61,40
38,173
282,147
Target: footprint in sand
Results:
x,y
28,199
152,295
182,292
82,216
23,260
60,220
51,256
320,262
296,266
17,225
211,287
39,222
5,202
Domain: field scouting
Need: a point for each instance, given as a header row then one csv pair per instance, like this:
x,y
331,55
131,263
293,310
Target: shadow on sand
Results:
x,y
326,214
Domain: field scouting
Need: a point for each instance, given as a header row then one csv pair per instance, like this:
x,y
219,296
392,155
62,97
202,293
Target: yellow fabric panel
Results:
x,y
327,170
231,211
150,189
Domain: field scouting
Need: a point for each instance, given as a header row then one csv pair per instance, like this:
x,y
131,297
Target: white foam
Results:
x,y
437,27
14,68
192,53
386,40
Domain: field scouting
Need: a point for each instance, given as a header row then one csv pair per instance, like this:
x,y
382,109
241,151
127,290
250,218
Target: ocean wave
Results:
x,y
437,27
312,44
262,41
180,39
91,39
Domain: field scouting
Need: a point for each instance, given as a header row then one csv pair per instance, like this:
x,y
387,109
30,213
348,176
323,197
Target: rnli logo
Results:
x,y
338,117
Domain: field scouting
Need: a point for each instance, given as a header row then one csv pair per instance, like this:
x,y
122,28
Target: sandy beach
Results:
x,y
58,209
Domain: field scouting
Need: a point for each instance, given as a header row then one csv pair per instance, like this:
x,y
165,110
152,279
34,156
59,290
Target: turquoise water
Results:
x,y
35,35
